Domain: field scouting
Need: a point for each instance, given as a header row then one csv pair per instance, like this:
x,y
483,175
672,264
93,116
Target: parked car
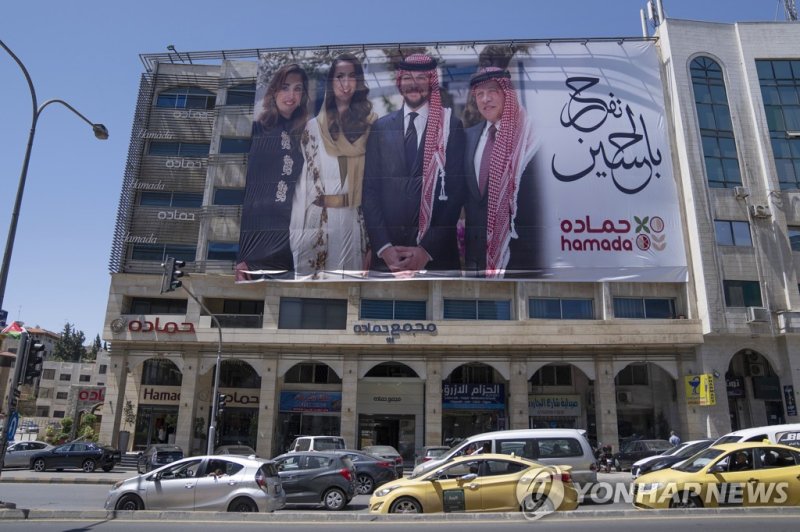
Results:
x,y
29,427
77,455
239,450
316,443
230,483
157,455
506,483
19,454
738,474
638,449
430,452
786,434
677,454
371,471
558,447
387,452
318,478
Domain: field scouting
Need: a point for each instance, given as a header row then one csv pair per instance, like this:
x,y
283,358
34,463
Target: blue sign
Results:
x,y
474,396
12,426
310,401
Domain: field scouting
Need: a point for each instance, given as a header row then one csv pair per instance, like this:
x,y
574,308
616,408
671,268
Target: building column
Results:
x,y
187,407
115,400
267,406
204,389
605,403
518,395
433,402
349,418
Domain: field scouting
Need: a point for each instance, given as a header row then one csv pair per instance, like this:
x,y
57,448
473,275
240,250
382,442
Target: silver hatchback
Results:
x,y
219,483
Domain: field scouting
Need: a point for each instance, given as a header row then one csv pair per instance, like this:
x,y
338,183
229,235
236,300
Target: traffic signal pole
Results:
x,y
13,398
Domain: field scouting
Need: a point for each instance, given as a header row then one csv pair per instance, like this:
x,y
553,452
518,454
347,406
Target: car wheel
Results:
x,y
39,465
617,465
88,465
130,502
405,505
364,484
242,504
334,499
685,499
108,468
537,504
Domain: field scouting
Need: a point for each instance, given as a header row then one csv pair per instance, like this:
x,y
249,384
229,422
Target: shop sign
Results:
x,y
309,401
767,388
554,405
170,327
700,390
241,397
160,395
394,329
735,386
91,394
788,397
474,396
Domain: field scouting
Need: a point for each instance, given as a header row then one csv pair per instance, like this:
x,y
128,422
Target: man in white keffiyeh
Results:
x,y
413,178
503,230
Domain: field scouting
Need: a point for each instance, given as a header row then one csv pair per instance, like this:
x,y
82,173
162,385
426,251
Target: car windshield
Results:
x,y
658,445
382,449
433,453
246,451
699,461
328,444
727,439
689,450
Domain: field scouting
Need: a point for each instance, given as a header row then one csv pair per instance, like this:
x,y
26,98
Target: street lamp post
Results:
x,y
99,130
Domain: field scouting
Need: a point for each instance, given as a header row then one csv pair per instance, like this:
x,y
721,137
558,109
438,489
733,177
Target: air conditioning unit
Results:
x,y
755,314
741,192
753,358
756,370
760,211
624,397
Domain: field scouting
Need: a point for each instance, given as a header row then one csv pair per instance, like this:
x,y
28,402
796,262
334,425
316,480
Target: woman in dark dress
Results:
x,y
273,166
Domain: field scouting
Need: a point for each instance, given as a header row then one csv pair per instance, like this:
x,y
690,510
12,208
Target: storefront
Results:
x,y
391,413
469,409
553,411
157,415
238,423
307,412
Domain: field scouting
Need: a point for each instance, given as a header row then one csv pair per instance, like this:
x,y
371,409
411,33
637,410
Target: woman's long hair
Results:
x,y
352,122
270,117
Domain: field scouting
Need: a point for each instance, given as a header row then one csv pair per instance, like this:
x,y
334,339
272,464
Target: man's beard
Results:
x,y
421,99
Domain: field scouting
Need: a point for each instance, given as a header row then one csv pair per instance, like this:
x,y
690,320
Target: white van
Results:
x,y
567,447
788,434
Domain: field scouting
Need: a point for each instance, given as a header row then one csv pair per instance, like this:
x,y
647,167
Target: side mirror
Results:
x,y
469,477
717,468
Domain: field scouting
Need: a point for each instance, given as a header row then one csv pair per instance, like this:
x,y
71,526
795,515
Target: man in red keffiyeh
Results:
x,y
413,179
503,231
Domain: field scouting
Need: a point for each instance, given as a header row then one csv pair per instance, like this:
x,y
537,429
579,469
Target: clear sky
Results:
x,y
86,52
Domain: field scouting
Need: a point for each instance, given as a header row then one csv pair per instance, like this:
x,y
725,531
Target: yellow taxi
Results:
x,y
480,483
730,474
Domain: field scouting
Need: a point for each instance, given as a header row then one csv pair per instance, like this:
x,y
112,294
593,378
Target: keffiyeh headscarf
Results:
x,y
438,129
513,150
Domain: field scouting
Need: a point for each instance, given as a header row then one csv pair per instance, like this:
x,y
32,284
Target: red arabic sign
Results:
x,y
169,327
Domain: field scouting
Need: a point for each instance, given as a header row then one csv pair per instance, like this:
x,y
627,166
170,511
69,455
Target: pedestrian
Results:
x,y
673,438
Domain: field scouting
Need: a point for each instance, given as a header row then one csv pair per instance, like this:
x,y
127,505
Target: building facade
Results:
x,y
426,362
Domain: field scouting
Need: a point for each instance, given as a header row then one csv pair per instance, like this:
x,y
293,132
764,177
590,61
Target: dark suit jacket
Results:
x,y
391,196
526,250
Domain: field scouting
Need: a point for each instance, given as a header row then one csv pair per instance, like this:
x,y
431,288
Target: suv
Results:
x,y
316,443
157,455
317,477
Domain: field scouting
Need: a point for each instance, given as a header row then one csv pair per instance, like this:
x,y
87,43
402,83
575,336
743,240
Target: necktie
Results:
x,y
411,142
486,158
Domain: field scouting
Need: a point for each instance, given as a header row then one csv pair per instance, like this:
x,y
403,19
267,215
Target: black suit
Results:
x,y
391,194
526,250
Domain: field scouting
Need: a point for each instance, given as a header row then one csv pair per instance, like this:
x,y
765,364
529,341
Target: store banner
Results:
x,y
700,390
473,397
554,405
788,397
310,401
577,183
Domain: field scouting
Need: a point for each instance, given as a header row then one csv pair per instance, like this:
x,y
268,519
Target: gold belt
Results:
x,y
332,201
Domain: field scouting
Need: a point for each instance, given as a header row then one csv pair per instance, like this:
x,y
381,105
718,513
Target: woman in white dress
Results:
x,y
328,238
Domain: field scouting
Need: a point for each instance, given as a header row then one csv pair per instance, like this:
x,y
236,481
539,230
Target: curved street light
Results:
x,y
99,130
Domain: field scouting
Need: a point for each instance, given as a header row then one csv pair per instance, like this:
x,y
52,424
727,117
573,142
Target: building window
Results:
x,y
780,90
58,414
238,374
152,305
716,128
244,94
794,238
161,372
234,145
159,252
45,393
178,149
186,98
102,369
48,374
241,313
644,308
632,375
228,196
170,199
392,370
84,378
392,309
733,233
473,373
553,375
742,293
307,313
62,396
311,374
223,251
65,377
560,309
477,309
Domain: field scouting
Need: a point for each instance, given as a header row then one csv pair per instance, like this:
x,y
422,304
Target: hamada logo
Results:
x,y
541,491
650,233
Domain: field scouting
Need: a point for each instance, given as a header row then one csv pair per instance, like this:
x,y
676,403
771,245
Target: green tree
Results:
x,y
69,347
95,348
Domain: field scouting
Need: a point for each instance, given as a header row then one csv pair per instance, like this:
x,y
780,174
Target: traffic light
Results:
x,y
220,403
34,361
170,280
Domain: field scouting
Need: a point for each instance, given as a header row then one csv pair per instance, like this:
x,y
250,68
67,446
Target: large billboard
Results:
x,y
546,161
